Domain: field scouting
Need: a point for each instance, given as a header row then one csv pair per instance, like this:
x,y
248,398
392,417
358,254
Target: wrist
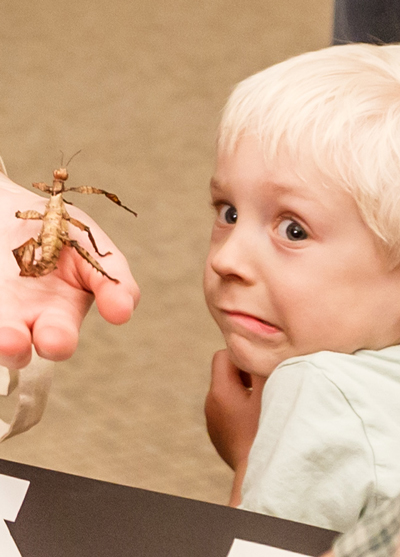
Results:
x,y
236,494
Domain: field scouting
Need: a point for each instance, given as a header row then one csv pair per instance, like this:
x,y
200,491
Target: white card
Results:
x,y
12,495
243,548
8,546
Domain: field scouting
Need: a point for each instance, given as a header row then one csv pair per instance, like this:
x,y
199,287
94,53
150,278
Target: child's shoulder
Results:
x,y
368,371
386,361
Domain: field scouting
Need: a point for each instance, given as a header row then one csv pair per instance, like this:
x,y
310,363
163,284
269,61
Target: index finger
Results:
x,y
224,372
115,299
115,291
116,302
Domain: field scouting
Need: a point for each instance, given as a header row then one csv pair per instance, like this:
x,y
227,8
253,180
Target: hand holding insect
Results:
x,y
48,312
54,234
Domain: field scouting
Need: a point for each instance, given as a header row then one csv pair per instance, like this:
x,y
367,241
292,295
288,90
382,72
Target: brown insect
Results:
x,y
54,233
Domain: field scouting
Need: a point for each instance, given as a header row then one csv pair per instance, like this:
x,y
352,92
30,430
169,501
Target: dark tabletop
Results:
x,y
70,516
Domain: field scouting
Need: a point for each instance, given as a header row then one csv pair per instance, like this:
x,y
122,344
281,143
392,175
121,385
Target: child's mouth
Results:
x,y
252,323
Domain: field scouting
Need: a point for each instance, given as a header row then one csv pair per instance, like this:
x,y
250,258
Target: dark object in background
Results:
x,y
366,21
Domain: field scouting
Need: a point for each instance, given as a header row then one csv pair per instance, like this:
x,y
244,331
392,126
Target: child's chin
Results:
x,y
253,363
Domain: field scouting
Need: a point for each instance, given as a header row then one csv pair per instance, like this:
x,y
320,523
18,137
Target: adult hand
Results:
x,y
48,311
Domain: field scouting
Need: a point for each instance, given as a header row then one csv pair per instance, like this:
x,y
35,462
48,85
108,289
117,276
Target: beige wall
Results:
x,y
138,86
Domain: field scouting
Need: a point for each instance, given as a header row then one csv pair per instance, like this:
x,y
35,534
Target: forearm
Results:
x,y
236,493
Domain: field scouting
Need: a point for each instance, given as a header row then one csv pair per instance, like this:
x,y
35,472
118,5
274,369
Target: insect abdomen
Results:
x,y
52,225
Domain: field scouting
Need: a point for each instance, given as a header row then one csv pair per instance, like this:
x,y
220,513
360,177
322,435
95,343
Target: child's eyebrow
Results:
x,y
288,188
215,186
284,188
278,188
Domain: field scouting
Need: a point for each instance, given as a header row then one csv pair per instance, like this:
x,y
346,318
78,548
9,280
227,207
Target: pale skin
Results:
x,y
289,258
47,312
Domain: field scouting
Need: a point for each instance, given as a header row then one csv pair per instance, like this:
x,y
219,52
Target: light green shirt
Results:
x,y
328,442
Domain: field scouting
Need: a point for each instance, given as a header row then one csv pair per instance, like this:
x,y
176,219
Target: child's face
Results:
x,y
292,268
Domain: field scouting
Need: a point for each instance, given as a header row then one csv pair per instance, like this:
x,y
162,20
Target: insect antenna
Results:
x,y
62,158
74,155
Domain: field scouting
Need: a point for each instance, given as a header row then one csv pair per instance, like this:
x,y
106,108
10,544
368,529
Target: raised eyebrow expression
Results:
x,y
214,185
288,227
216,190
219,193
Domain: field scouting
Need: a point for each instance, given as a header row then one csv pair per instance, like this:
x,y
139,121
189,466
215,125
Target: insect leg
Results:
x,y
25,256
86,255
42,187
28,215
86,229
111,196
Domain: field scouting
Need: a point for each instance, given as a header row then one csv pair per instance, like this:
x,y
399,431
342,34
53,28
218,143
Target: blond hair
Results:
x,y
341,105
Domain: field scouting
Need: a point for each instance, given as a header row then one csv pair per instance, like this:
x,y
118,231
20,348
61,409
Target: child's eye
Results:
x,y
228,214
292,230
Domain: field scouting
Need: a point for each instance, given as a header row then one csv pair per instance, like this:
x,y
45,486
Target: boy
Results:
x,y
46,313
303,279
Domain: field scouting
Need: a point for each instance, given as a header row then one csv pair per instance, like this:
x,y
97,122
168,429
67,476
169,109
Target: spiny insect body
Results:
x,y
54,233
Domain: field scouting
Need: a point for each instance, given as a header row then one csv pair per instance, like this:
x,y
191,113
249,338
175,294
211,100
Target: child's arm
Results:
x,y
232,412
48,311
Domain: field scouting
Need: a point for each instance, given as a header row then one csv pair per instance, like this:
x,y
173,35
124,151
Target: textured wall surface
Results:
x,y
138,86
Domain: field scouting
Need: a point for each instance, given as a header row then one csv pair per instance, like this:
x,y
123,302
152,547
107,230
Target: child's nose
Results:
x,y
232,260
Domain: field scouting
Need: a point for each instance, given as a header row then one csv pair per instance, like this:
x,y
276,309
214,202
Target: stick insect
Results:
x,y
54,233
